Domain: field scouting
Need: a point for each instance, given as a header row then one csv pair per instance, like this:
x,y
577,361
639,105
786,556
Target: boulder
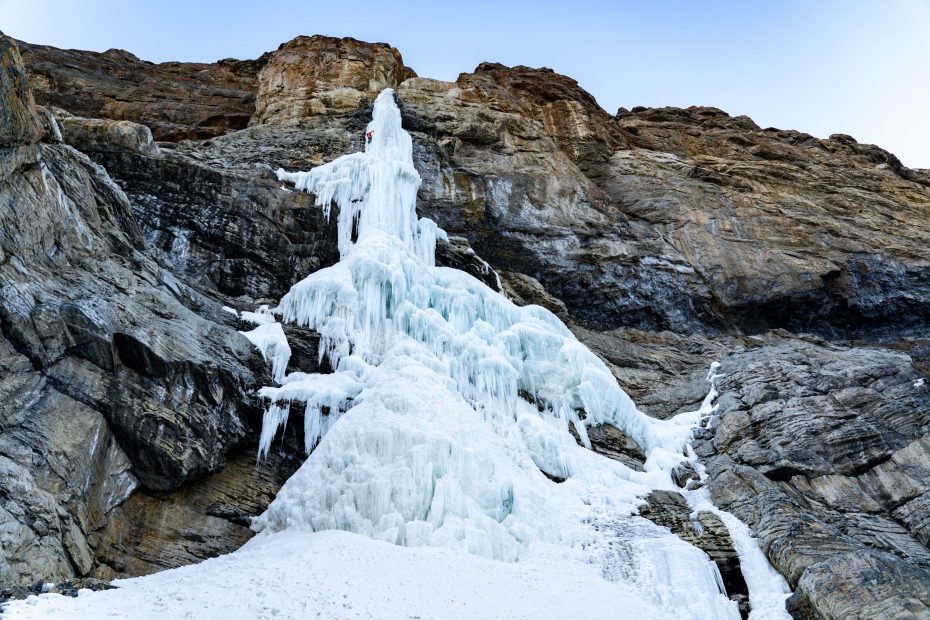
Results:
x,y
98,134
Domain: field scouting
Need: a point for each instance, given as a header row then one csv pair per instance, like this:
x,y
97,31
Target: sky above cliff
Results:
x,y
832,66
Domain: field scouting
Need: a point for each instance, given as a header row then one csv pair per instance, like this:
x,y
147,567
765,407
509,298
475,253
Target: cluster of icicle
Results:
x,y
446,401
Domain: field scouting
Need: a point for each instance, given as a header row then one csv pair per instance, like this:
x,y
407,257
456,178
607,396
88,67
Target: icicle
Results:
x,y
275,417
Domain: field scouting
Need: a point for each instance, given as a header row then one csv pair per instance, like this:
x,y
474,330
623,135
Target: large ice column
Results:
x,y
375,190
385,289
447,401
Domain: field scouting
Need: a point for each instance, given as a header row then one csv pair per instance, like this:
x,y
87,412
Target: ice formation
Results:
x,y
447,401
268,337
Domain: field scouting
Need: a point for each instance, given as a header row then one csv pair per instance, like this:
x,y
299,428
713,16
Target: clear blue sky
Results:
x,y
821,66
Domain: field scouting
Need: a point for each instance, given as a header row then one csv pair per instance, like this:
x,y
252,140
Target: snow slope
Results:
x,y
338,575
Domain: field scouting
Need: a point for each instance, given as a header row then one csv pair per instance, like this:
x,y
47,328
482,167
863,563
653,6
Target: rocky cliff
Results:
x,y
176,100
136,200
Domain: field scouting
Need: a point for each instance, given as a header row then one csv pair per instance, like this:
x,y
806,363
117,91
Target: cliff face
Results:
x,y
176,100
119,379
686,220
668,237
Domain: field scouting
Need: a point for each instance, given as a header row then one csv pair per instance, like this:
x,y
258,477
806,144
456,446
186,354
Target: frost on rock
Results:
x,y
447,400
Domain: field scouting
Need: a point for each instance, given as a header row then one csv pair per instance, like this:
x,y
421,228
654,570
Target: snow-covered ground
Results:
x,y
332,574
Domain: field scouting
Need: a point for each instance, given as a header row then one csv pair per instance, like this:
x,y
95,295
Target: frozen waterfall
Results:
x,y
447,402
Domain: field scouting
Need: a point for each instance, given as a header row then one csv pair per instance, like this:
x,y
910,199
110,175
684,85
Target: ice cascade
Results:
x,y
447,403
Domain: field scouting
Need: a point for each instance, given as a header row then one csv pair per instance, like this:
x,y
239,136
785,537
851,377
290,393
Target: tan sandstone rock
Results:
x,y
310,76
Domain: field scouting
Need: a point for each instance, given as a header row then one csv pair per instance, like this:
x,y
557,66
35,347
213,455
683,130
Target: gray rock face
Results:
x,y
111,328
117,375
895,589
823,451
868,409
614,443
96,134
244,239
207,517
76,474
103,341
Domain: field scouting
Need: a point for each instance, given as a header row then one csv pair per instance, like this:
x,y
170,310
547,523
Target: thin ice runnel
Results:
x,y
767,588
427,439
